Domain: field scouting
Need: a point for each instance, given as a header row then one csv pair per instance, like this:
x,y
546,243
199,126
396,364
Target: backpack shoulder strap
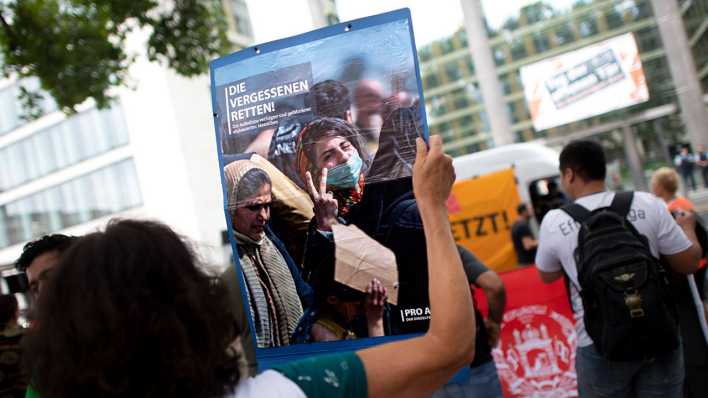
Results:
x,y
622,202
577,212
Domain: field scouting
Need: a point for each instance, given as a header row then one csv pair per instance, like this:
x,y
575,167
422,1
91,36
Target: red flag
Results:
x,y
536,353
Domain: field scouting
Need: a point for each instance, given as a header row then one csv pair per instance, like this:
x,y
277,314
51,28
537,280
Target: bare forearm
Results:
x,y
450,300
497,302
696,247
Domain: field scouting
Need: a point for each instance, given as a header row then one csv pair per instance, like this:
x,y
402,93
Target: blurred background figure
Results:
x,y
686,163
521,235
702,161
369,107
665,185
13,382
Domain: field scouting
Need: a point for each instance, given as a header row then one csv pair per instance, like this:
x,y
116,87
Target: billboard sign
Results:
x,y
583,83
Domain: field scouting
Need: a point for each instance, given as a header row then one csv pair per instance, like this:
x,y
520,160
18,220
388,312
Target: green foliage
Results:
x,y
77,47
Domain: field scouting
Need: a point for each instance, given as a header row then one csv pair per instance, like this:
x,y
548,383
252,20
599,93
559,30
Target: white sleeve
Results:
x,y
547,259
269,384
670,238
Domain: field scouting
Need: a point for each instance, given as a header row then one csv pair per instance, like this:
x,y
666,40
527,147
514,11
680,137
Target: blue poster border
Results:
x,y
269,357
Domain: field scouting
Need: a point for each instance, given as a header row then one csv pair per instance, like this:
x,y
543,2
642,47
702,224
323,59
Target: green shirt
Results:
x,y
31,393
334,375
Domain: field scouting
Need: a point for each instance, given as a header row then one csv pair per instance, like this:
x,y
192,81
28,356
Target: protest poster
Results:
x,y
482,222
536,352
345,98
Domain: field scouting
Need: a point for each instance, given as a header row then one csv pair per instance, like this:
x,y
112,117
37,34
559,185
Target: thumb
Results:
x,y
421,150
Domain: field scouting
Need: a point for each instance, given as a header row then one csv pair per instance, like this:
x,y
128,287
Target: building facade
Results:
x,y
537,31
151,155
324,12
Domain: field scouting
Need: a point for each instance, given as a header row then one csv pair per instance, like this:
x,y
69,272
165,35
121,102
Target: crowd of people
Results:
x,y
130,312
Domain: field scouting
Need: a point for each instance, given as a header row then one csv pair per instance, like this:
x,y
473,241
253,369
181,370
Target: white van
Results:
x,y
535,167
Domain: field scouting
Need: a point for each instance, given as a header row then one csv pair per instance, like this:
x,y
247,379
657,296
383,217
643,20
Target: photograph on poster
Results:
x,y
317,144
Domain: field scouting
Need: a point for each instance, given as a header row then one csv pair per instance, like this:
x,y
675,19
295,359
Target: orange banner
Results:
x,y
482,211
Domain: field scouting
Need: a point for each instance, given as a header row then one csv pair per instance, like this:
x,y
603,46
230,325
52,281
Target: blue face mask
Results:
x,y
345,175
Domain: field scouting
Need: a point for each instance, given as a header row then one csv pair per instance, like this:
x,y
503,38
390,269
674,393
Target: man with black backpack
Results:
x,y
607,246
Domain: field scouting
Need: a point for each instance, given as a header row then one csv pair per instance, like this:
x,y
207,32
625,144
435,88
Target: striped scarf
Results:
x,y
272,296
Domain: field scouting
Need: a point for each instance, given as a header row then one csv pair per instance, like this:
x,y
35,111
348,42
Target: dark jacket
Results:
x,y
389,214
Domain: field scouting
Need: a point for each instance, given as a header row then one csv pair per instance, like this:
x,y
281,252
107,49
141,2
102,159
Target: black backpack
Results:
x,y
630,313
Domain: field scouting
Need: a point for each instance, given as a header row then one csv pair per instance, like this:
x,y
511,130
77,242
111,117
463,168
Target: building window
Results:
x,y
541,42
564,34
505,83
518,50
11,112
97,194
484,121
461,102
452,70
78,138
512,112
439,108
642,9
446,46
431,81
587,26
472,148
614,17
648,39
424,54
499,56
241,18
470,65
462,38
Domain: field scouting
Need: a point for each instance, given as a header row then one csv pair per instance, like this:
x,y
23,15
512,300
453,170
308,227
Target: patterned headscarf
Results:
x,y
326,127
232,175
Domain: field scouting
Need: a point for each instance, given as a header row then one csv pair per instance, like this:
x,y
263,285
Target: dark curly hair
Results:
x,y
45,244
128,313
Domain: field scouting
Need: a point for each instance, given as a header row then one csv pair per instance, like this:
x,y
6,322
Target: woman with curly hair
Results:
x,y
130,313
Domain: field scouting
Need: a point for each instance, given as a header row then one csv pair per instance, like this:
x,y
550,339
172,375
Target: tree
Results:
x,y
77,47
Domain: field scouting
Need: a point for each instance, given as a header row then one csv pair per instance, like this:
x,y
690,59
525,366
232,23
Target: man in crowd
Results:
x,y
524,242
330,98
13,382
702,161
658,373
484,380
686,163
39,257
